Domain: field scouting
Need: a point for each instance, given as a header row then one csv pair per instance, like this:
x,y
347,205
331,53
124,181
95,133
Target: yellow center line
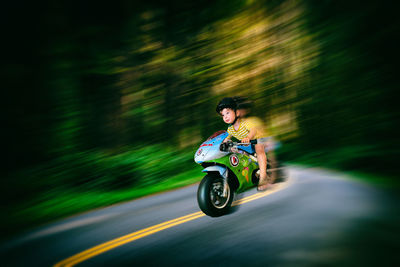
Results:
x,y
96,250
276,188
104,247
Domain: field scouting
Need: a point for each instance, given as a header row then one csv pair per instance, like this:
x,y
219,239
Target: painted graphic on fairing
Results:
x,y
209,150
234,160
230,169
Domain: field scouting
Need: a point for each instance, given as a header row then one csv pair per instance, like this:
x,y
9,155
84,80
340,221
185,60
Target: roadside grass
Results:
x,y
363,163
105,180
58,204
387,182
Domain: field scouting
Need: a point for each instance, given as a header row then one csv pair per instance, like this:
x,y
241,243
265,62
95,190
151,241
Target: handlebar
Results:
x,y
229,145
253,142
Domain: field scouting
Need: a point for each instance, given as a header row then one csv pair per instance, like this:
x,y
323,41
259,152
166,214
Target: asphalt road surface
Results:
x,y
315,218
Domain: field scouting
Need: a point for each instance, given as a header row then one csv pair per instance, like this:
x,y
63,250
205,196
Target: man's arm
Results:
x,y
250,135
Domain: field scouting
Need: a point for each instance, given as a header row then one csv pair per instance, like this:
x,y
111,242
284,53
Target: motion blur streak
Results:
x,y
107,103
276,188
97,250
87,254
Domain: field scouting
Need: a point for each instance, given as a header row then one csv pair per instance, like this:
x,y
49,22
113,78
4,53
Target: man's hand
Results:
x,y
246,140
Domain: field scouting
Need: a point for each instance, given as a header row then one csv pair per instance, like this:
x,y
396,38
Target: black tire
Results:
x,y
209,196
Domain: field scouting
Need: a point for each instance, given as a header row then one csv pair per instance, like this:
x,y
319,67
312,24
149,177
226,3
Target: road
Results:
x,y
315,218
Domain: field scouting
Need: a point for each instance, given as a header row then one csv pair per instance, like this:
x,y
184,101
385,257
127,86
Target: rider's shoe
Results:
x,y
264,187
263,184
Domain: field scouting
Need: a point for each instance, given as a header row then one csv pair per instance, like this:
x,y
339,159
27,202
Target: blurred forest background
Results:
x,y
103,97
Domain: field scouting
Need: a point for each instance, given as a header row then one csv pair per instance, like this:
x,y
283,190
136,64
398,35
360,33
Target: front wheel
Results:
x,y
211,198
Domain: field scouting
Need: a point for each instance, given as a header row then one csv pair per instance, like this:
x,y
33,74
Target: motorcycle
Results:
x,y
231,168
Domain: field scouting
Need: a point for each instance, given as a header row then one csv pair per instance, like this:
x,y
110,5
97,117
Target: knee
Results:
x,y
260,148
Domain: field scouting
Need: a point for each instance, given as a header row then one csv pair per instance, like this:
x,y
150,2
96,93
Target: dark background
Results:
x,y
93,92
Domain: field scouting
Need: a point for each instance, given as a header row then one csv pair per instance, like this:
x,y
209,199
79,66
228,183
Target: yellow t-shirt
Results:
x,y
244,128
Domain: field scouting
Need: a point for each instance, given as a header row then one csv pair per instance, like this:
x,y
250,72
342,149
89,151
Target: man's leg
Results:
x,y
262,163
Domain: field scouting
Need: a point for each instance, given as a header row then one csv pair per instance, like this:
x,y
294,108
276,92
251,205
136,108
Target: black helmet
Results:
x,y
243,102
227,102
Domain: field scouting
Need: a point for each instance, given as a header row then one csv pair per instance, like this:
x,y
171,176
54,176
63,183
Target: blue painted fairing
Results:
x,y
209,150
247,148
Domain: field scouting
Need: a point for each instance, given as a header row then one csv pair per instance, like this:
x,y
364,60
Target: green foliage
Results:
x,y
108,97
81,181
100,170
362,158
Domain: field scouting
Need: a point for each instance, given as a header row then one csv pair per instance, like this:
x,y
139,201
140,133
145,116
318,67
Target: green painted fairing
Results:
x,y
243,171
